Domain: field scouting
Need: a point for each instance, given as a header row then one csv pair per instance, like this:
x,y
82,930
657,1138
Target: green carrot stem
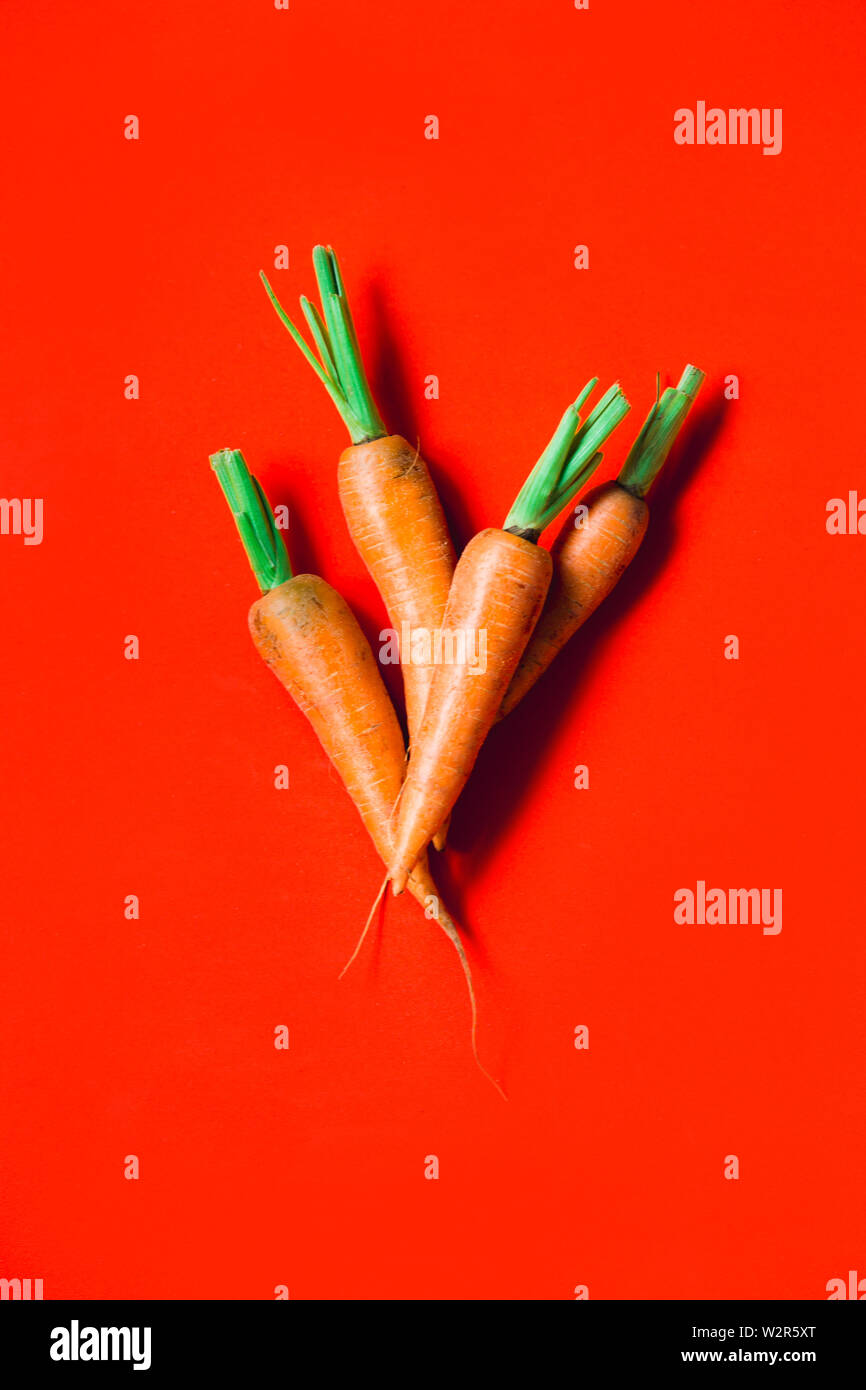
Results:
x,y
568,461
559,499
320,336
661,427
265,547
339,365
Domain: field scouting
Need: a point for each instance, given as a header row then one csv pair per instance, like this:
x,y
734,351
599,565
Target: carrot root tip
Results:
x,y
361,938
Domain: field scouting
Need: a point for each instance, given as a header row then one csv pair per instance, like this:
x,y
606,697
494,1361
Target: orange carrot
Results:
x,y
396,521
389,501
497,593
311,640
592,552
499,586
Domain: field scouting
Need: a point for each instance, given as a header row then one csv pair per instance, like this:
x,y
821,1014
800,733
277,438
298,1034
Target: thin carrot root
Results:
x,y
443,920
392,813
357,949
453,936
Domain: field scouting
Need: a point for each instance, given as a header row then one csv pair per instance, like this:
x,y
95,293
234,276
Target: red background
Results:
x,y
155,1037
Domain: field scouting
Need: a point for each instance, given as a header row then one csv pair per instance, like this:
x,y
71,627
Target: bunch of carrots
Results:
x,y
523,600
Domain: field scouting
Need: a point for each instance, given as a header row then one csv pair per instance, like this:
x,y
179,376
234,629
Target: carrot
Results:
x,y
591,553
389,501
311,640
497,593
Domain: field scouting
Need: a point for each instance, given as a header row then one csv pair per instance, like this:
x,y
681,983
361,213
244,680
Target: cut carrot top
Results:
x,y
339,365
265,547
661,427
567,463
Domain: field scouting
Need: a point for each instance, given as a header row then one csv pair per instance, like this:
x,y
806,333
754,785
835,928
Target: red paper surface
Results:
x,y
154,1037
